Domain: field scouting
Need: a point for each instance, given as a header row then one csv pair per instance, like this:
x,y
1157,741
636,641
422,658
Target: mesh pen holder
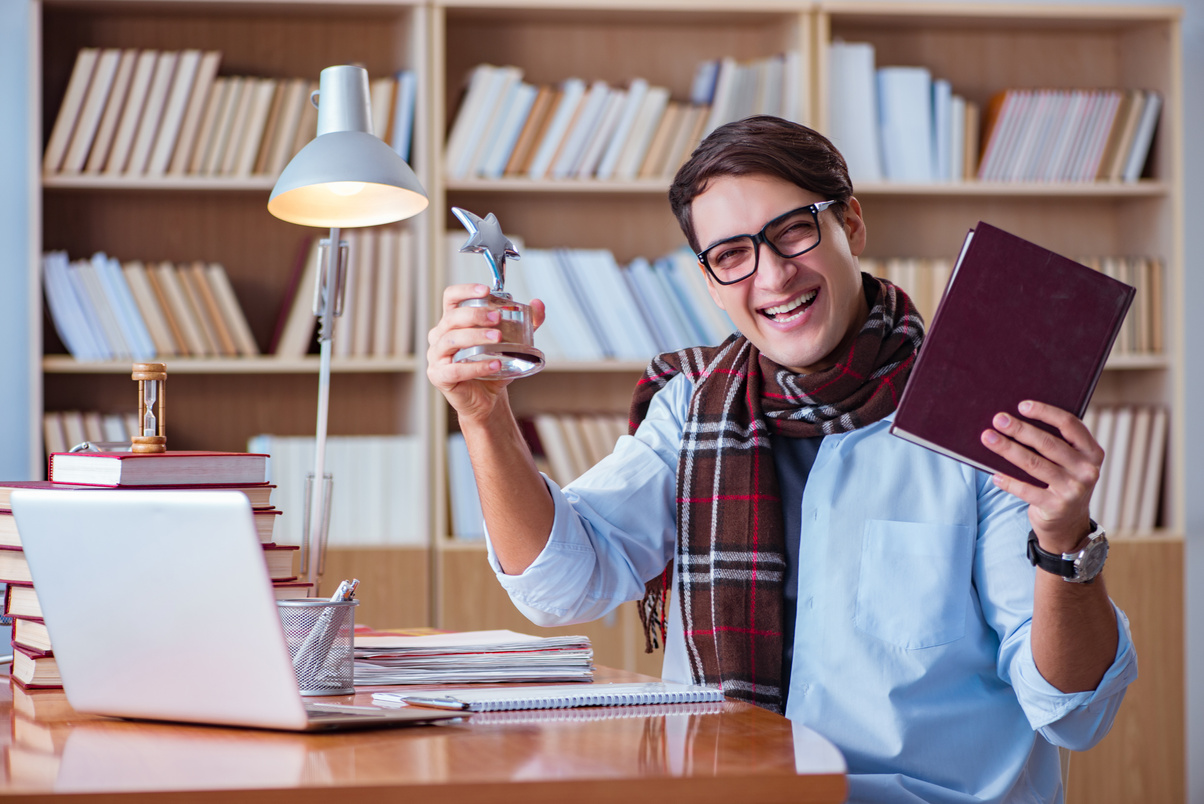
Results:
x,y
320,637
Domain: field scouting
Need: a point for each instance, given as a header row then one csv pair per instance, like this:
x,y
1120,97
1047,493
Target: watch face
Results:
x,y
1091,561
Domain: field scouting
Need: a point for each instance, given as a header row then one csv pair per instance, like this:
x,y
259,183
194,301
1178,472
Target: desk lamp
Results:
x,y
344,178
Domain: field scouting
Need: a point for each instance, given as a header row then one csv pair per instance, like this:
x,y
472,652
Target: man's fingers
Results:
x,y
454,294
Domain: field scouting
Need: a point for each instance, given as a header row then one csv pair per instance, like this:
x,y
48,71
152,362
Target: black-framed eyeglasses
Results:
x,y
736,258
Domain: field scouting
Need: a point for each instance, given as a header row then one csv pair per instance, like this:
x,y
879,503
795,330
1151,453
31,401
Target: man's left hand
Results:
x,y
1070,465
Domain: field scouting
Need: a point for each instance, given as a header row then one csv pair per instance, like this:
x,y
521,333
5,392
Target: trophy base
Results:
x,y
518,360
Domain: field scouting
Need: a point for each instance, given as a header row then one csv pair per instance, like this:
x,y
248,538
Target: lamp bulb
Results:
x,y
345,188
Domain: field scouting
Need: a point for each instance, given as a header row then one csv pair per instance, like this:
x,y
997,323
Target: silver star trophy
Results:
x,y
516,350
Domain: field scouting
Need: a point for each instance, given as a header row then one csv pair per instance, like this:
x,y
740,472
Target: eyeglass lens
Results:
x,y
790,235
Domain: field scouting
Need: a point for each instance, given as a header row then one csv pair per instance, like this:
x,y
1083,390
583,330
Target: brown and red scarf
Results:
x,y
731,555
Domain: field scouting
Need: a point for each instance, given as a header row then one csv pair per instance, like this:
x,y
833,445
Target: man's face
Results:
x,y
800,312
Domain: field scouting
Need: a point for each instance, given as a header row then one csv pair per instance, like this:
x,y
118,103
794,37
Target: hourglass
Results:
x,y
516,351
152,403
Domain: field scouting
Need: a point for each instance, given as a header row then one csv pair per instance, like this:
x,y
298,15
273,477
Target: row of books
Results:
x,y
378,303
471,657
377,486
34,663
898,123
104,309
585,129
1068,134
925,280
599,310
130,112
564,445
1128,495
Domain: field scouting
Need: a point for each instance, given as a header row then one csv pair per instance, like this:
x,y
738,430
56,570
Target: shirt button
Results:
x,y
807,603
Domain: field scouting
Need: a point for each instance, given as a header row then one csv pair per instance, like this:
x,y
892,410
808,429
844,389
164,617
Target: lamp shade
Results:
x,y
346,177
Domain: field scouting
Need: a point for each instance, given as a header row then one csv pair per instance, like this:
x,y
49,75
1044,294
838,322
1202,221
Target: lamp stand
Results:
x,y
328,303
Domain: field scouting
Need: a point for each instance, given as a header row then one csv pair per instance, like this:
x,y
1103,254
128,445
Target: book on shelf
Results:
x,y
278,148
1004,333
467,519
533,128
271,127
98,151
381,91
203,143
229,310
92,111
175,105
131,113
194,111
294,332
152,112
149,307
568,100
404,108
1128,495
853,112
471,656
69,111
233,130
250,129
377,486
174,467
196,290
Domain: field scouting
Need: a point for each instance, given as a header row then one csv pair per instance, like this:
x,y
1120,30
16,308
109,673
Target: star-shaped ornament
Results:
x,y
485,237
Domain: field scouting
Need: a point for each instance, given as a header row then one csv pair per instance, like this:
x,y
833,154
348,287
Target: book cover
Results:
x,y
296,98
175,106
99,152
150,308
152,112
250,134
198,100
220,137
643,128
258,494
231,310
167,279
131,113
1017,322
133,328
569,98
271,127
205,135
237,129
193,275
153,273
174,467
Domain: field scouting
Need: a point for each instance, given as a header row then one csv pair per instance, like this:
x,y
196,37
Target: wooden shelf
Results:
x,y
262,184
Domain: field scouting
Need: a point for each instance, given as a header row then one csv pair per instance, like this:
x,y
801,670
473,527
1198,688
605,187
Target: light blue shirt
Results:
x,y
912,650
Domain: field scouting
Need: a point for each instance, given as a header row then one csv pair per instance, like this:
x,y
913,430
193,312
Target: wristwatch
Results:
x,y
1078,567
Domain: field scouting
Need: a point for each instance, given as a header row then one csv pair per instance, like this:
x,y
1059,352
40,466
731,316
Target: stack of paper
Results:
x,y
472,656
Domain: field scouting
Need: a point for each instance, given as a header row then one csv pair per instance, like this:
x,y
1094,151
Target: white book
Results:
x,y
664,273
237,132
1105,419
122,301
513,114
54,439
296,96
103,142
942,124
67,310
588,312
905,113
1049,137
956,149
90,115
1118,470
221,135
1093,151
113,427
365,292
1139,452
745,91
190,124
599,139
88,283
215,104
1151,486
384,314
73,428
769,95
405,306
152,112
380,93
572,93
565,321
131,114
648,311
468,521
702,89
180,309
631,336
633,101
1013,136
684,141
254,125
480,84
482,130
693,285
723,98
174,109
1095,109
794,88
664,319
631,158
1143,137
403,113
994,138
152,311
518,286
1062,135
69,110
232,312
587,120
1029,139
561,466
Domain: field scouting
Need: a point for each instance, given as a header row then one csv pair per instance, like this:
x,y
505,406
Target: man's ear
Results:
x,y
854,227
712,287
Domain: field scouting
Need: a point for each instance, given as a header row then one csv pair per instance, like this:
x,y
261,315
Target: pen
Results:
x,y
436,703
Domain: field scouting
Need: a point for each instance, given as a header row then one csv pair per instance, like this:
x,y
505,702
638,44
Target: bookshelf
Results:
x,y
981,48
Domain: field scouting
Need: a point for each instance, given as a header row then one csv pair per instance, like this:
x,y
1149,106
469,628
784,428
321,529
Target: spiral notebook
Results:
x,y
557,696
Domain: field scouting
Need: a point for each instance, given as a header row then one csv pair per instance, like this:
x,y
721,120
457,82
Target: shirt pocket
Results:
x,y
913,587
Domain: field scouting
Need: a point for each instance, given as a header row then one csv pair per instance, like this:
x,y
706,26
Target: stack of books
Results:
x,y
152,113
104,309
497,657
1128,496
33,663
580,129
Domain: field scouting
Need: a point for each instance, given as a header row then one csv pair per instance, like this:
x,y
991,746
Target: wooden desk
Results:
x,y
723,752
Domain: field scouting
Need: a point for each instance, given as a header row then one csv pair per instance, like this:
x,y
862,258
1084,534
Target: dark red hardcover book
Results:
x,y
1017,322
260,494
174,467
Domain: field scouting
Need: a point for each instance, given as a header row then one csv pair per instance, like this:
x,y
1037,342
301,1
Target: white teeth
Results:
x,y
782,309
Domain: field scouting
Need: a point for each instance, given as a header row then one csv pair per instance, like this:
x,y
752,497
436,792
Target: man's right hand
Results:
x,y
461,327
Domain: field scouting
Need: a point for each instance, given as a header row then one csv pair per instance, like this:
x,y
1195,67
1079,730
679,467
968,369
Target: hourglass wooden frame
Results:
x,y
152,399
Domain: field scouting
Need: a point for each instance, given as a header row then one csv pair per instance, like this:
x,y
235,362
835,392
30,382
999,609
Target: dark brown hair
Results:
x,y
767,146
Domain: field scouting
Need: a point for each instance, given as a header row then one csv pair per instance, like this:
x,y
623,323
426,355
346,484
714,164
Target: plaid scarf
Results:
x,y
731,555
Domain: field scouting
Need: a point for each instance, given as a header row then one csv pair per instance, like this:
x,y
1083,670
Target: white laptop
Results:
x,y
159,607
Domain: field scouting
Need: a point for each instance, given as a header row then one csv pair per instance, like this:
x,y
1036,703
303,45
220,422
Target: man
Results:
x,y
876,591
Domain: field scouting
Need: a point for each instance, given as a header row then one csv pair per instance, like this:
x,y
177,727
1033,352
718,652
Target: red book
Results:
x,y
1017,322
264,519
171,468
13,566
260,495
34,669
